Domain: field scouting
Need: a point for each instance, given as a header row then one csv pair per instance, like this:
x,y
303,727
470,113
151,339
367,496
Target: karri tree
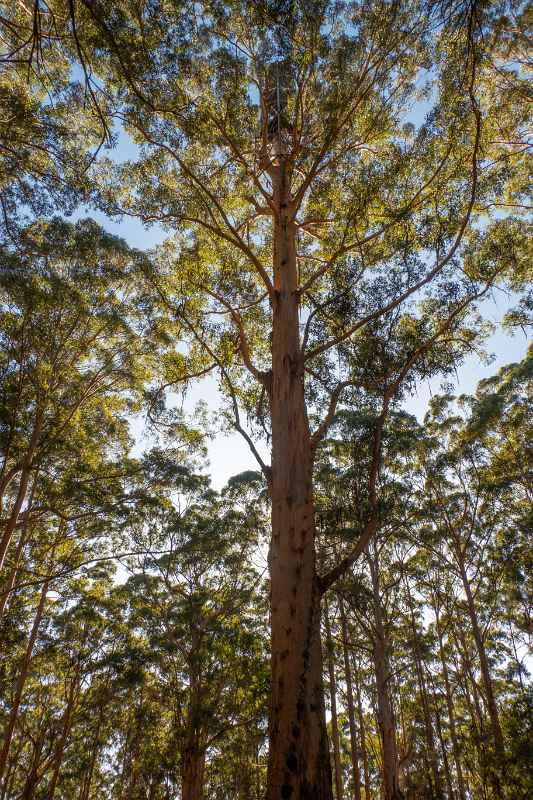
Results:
x,y
329,172
278,142
76,357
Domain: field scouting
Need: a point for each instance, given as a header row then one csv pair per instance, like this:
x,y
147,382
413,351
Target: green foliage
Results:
x,y
402,129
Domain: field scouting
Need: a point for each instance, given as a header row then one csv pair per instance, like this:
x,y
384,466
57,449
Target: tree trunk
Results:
x,y
483,661
244,779
451,713
134,734
298,766
7,587
10,582
21,681
86,789
436,788
485,767
192,772
364,753
350,704
65,729
386,722
11,773
32,778
333,702
22,489
473,702
440,734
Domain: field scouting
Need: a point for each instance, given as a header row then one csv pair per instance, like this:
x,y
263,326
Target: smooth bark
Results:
x,y
433,775
385,711
86,788
488,686
451,713
440,734
350,703
299,766
361,719
7,588
20,497
21,681
333,705
32,778
65,730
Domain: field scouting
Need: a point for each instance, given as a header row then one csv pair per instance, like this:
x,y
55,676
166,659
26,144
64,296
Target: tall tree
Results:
x,y
324,242
76,357
274,143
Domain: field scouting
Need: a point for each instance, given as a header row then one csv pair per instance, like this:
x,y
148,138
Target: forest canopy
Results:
x,y
315,216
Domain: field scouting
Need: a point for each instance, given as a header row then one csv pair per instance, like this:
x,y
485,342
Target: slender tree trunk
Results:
x,y
391,788
436,788
11,772
333,703
21,681
154,785
119,792
299,766
244,777
362,742
9,782
131,747
488,686
473,701
12,520
65,729
485,768
23,538
451,713
132,765
32,778
440,734
350,704
7,588
385,715
86,790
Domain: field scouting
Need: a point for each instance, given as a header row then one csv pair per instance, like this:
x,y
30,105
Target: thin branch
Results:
x,y
261,376
265,468
323,428
233,235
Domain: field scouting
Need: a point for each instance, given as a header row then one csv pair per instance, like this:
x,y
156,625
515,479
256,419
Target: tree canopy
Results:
x,y
341,189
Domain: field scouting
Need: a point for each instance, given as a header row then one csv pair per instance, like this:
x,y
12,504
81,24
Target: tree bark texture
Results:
x,y
451,714
192,772
299,767
7,588
32,779
433,775
361,719
65,730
